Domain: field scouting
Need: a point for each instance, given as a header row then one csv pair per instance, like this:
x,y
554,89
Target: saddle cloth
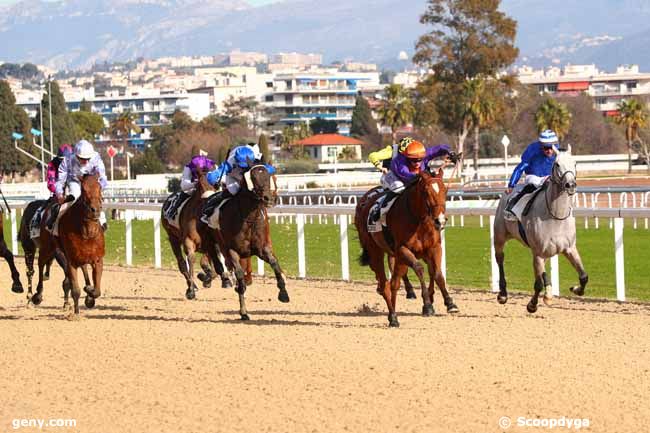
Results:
x,y
213,220
63,209
523,205
377,215
35,223
174,205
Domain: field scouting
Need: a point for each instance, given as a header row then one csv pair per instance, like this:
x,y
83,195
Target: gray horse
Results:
x,y
548,228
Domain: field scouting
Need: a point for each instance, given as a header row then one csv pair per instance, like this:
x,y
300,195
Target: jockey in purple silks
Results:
x,y
191,172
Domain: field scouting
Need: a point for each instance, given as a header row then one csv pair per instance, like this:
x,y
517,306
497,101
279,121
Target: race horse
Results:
x,y
186,241
30,245
547,228
243,231
81,242
5,252
412,232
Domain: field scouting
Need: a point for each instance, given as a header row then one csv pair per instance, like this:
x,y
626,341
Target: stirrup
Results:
x,y
508,215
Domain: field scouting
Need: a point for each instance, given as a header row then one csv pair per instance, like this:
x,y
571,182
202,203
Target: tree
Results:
x,y
263,143
591,132
87,125
363,123
122,126
470,39
323,126
553,115
633,116
62,123
85,106
240,111
13,119
482,107
147,162
348,153
397,110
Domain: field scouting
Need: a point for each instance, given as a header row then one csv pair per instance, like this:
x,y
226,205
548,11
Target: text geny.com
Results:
x,y
41,423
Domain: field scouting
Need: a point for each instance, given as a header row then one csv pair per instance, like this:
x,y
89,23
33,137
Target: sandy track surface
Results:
x,y
147,360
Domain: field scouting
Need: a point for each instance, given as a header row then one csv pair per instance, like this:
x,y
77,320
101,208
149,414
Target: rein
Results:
x,y
559,183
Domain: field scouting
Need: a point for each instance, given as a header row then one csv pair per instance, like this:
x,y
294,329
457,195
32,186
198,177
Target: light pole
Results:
x,y
505,141
49,95
129,155
36,132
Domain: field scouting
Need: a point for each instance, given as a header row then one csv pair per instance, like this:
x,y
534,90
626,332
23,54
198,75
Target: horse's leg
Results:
x,y
247,265
206,275
66,285
399,270
574,258
182,266
43,257
190,251
30,255
71,271
215,258
88,287
406,256
98,268
548,288
241,283
538,268
502,297
410,293
269,257
17,286
435,275
46,275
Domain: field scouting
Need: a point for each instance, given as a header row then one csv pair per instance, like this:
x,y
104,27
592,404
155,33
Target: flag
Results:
x,y
17,136
36,132
203,152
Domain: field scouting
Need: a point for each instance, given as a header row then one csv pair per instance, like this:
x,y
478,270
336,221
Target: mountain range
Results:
x,y
78,33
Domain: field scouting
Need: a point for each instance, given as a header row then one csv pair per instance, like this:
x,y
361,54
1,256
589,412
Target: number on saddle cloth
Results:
x,y
379,210
35,223
173,206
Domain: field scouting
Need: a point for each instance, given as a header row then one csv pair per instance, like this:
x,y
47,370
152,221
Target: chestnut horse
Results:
x,y
186,241
244,231
413,232
5,252
81,240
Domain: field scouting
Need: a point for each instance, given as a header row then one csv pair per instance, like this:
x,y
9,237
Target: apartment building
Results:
x,y
302,97
607,89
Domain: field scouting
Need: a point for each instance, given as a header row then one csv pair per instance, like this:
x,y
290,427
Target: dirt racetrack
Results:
x,y
147,360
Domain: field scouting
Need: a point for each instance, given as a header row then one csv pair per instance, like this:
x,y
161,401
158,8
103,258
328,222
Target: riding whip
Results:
x,y
5,200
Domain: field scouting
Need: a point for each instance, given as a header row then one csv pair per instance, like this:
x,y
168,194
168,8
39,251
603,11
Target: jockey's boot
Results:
x,y
508,215
390,195
54,212
212,203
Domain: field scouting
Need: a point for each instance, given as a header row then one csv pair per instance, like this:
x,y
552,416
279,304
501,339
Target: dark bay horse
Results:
x,y
5,252
186,241
81,240
244,231
413,223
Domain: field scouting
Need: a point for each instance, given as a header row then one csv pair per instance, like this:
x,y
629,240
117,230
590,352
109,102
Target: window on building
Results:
x,y
268,98
551,88
269,84
288,84
331,153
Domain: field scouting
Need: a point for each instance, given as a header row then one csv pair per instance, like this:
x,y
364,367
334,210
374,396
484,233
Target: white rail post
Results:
x,y
260,267
634,206
555,276
620,261
345,258
462,217
157,254
453,218
128,217
594,204
493,260
584,203
302,269
609,204
443,259
14,232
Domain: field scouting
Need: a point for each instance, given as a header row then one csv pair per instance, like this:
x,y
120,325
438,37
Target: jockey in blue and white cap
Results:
x,y
537,162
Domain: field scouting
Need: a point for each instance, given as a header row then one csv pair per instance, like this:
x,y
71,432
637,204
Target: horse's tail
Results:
x,y
364,259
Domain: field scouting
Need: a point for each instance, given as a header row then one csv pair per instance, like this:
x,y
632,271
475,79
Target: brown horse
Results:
x,y
187,241
5,252
414,223
81,240
31,245
244,231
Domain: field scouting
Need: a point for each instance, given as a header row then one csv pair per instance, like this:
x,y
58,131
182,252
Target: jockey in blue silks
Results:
x,y
231,172
537,162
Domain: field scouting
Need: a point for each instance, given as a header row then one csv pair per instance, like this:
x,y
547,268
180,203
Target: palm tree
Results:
x,y
633,115
398,109
122,126
482,108
553,115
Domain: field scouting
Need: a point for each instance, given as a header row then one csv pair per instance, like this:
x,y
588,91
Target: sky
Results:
x,y
253,2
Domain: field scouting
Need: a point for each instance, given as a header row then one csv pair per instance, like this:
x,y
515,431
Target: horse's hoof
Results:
x,y
502,299
410,294
394,323
190,294
452,308
245,317
548,299
89,301
201,276
37,299
67,306
17,287
427,310
226,283
90,291
577,290
207,284
531,307
283,296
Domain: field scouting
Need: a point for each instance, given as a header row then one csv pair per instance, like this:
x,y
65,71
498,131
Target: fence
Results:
x,y
343,212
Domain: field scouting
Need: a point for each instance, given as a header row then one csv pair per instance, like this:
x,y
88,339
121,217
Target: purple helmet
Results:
x,y
64,150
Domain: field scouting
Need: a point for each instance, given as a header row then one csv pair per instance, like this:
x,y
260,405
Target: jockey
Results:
x,y
537,162
65,150
231,172
85,160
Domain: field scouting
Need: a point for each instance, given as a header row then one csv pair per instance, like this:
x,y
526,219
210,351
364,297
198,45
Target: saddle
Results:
x,y
378,211
35,223
212,218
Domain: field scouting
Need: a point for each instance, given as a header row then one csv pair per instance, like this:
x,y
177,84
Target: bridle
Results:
x,y
430,209
250,185
560,182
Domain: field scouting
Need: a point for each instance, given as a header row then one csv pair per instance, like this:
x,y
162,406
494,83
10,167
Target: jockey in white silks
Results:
x,y
85,160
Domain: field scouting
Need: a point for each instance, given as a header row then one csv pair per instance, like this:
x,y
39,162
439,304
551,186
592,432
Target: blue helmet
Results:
x,y
244,155
548,138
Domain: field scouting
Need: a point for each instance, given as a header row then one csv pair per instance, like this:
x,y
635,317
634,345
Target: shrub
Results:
x,y
298,166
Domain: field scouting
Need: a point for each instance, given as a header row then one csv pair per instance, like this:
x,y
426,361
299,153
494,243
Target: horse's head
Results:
x,y
564,171
202,182
434,191
257,180
91,196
